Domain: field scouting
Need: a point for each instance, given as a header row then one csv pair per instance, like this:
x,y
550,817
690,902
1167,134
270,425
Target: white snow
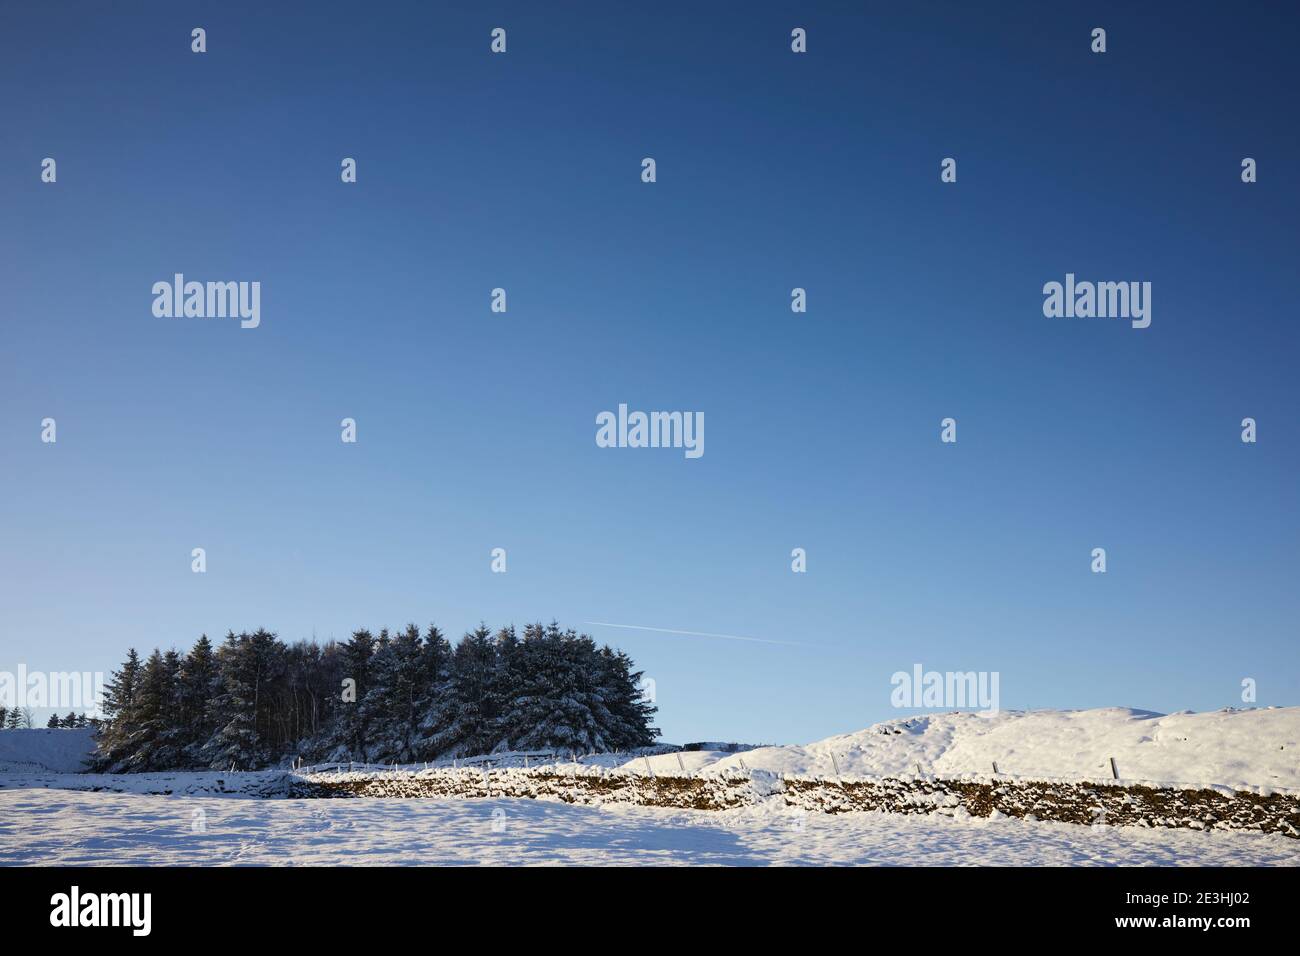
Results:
x,y
49,815
1253,748
1256,748
1227,748
47,827
63,751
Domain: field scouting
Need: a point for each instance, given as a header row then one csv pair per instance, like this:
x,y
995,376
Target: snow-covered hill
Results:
x,y
63,751
1258,747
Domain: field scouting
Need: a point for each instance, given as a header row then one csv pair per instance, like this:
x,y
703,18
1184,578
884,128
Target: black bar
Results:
x,y
330,905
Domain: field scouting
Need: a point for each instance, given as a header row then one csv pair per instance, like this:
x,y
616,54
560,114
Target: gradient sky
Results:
x,y
822,430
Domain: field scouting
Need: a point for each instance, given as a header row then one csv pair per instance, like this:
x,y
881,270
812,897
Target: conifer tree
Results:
x,y
436,670
197,690
560,704
352,725
469,717
504,687
246,666
113,738
630,712
146,729
404,687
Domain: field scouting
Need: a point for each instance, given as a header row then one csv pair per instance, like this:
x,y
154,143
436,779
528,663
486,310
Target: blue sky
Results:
x,y
775,170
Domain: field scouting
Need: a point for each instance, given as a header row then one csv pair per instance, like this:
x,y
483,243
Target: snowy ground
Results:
x,y
1247,748
216,818
44,827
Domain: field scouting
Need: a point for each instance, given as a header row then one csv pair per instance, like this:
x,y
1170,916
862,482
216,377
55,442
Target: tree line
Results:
x,y
70,721
20,718
254,701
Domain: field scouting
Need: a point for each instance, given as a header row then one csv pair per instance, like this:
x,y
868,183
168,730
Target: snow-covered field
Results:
x,y
43,827
49,815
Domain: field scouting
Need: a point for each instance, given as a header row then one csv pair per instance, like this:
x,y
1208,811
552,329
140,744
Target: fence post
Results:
x,y
680,766
647,766
836,765
1114,772
995,768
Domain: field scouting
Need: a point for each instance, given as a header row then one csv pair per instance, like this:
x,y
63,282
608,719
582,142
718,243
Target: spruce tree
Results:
x,y
469,718
120,690
503,689
630,713
559,704
401,694
235,743
436,670
112,741
197,690
352,724
149,740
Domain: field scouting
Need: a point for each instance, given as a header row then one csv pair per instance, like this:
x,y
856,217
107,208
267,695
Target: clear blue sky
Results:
x,y
822,430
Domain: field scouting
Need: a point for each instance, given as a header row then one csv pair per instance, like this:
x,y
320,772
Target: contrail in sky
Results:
x,y
668,630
